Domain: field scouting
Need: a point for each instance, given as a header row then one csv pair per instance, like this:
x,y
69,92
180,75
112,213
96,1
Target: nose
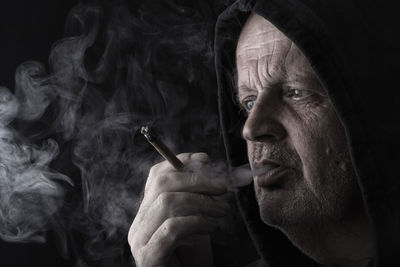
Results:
x,y
263,123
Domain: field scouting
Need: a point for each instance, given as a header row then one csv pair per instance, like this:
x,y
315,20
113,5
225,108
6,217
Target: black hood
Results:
x,y
354,47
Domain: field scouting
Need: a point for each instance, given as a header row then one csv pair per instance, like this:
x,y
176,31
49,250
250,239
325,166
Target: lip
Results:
x,y
273,175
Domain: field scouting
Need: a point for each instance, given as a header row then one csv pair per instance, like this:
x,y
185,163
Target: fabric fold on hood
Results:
x,y
353,46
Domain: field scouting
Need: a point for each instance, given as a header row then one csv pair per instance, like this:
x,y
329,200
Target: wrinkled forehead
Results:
x,y
260,42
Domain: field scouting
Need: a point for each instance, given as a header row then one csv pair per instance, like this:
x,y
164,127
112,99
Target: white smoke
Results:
x,y
30,192
114,72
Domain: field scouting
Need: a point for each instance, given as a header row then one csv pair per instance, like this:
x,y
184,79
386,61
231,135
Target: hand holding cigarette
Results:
x,y
178,208
238,177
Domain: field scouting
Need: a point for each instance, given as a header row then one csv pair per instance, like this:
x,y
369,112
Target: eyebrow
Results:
x,y
241,90
303,78
244,88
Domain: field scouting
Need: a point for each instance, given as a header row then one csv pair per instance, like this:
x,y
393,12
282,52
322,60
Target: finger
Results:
x,y
195,161
192,182
168,236
199,156
177,204
175,181
186,158
163,167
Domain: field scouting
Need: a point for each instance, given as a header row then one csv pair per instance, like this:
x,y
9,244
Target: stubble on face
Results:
x,y
303,133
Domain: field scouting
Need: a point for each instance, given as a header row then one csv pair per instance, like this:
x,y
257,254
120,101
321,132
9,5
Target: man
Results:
x,y
320,200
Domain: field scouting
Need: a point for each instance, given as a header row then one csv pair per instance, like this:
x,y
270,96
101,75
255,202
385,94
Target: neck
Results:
x,y
343,244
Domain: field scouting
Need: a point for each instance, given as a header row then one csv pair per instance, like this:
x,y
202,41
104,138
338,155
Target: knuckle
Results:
x,y
201,156
154,169
170,228
135,253
135,250
166,199
133,240
162,181
153,175
131,236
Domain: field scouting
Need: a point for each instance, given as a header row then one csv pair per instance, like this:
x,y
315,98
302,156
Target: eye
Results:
x,y
248,104
297,93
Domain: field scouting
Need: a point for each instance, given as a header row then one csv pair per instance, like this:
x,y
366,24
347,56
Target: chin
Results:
x,y
281,218
276,209
284,208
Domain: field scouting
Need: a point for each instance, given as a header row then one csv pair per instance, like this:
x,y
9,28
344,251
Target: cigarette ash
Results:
x,y
122,64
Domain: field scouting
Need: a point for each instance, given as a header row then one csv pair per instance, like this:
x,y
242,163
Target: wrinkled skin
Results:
x,y
290,120
177,214
317,203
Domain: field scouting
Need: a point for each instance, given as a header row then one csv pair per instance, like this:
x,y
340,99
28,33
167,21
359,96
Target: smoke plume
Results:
x,y
30,192
122,64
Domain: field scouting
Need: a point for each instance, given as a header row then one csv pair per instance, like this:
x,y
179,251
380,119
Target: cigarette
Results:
x,y
161,148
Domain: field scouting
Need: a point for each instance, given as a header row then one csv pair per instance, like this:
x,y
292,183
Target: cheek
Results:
x,y
308,146
314,141
311,129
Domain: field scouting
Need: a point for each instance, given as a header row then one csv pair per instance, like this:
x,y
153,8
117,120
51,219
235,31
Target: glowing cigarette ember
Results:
x,y
161,147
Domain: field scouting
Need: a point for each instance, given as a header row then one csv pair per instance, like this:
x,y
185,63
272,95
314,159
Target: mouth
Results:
x,y
270,174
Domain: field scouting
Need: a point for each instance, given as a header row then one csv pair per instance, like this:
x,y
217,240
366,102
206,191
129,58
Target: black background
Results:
x,y
27,31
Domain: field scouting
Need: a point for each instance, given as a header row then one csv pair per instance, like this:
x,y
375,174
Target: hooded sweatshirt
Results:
x,y
354,48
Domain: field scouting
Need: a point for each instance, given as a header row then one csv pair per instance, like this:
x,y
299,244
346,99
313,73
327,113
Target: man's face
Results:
x,y
292,131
